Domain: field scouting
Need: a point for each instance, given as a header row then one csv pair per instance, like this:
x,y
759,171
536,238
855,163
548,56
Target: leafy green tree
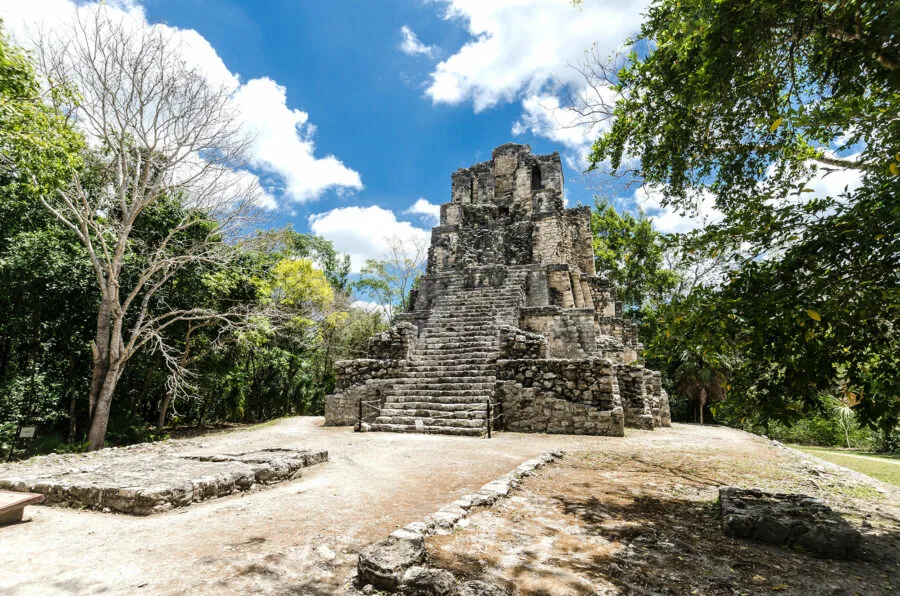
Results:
x,y
388,281
169,150
629,252
744,104
43,271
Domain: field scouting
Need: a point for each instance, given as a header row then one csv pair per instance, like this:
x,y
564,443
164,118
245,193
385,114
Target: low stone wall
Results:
x,y
356,372
536,410
142,480
342,409
559,396
399,562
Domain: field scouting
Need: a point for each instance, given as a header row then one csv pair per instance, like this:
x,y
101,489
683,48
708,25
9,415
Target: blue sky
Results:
x,y
361,109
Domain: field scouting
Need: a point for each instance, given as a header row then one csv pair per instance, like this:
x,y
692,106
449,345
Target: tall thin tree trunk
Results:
x,y
72,421
702,404
100,419
164,408
100,351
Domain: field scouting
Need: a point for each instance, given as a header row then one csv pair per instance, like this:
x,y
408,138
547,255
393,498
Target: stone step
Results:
x,y
437,422
464,374
429,393
442,430
447,382
483,356
474,406
451,360
455,328
457,341
429,413
437,399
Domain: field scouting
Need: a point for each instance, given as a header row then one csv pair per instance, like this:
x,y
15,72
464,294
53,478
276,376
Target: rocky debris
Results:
x,y
792,520
478,588
425,581
384,564
396,562
143,482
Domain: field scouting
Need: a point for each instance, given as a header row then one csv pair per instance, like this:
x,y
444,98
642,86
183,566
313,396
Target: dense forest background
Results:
x,y
129,307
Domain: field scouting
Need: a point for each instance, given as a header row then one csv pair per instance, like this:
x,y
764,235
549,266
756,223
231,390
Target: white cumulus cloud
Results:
x,y
429,212
412,46
517,47
283,147
670,221
282,143
363,232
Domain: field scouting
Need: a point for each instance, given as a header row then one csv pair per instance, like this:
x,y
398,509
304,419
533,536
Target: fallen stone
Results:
x,y
325,553
478,588
425,581
384,563
791,520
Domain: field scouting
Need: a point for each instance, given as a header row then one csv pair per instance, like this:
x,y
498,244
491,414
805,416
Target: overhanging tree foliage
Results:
x,y
746,104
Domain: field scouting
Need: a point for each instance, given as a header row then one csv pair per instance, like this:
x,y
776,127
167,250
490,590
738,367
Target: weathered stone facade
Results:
x,y
510,311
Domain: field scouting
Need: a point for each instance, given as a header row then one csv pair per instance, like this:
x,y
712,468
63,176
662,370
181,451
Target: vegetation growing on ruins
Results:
x,y
743,105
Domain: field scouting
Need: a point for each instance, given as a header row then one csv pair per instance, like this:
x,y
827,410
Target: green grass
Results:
x,y
886,472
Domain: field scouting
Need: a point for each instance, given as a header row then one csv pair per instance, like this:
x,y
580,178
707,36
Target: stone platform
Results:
x,y
144,481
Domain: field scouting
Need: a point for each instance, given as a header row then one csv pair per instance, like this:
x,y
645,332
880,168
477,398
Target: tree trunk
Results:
x,y
702,404
164,408
72,421
100,419
100,351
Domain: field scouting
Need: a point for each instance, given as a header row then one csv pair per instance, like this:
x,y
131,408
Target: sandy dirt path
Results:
x,y
297,537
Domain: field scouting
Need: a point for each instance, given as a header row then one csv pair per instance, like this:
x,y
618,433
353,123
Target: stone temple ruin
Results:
x,y
511,312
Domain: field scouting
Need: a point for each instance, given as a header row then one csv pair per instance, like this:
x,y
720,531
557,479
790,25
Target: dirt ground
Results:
x,y
640,516
297,537
632,515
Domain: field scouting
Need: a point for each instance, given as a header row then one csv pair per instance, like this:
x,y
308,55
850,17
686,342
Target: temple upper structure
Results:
x,y
510,318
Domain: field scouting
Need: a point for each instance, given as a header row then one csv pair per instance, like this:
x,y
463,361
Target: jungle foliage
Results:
x,y
755,107
292,292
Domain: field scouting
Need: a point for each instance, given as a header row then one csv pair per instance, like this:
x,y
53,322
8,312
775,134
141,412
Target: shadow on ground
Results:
x,y
579,530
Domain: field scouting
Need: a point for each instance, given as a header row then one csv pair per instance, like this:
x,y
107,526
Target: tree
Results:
x,y
748,106
388,281
630,253
165,140
43,271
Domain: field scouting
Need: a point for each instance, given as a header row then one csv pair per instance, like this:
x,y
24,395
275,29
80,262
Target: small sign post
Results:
x,y
420,425
26,432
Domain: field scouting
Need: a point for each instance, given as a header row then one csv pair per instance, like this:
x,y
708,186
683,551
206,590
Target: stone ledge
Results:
x,y
395,563
143,484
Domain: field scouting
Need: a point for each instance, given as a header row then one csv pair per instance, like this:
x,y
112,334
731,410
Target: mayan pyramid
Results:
x,y
510,318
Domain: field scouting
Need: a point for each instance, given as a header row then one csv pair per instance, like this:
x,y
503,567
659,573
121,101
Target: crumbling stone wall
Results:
x,y
518,344
590,381
342,409
395,343
634,396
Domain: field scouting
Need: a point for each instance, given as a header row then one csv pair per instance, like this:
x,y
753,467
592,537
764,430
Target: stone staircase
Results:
x,y
450,375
